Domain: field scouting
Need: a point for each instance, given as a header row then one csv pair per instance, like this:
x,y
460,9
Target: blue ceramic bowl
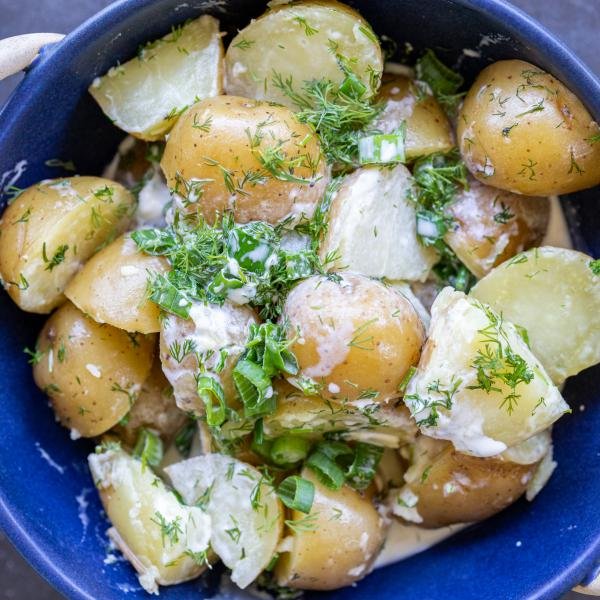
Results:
x,y
48,505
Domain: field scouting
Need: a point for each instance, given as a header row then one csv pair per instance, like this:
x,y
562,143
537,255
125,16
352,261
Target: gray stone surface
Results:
x,y
575,21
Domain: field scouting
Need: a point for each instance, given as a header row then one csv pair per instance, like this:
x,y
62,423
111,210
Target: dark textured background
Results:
x,y
577,22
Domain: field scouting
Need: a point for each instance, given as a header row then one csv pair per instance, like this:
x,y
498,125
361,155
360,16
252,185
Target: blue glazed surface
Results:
x,y
44,484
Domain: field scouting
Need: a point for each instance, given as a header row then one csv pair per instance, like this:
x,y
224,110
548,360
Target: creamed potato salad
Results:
x,y
305,302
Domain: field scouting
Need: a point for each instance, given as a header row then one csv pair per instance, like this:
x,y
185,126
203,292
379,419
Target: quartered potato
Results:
x,y
213,335
354,338
92,373
478,384
246,514
166,542
555,295
334,545
250,157
296,43
522,130
51,229
146,95
112,287
492,225
427,127
373,228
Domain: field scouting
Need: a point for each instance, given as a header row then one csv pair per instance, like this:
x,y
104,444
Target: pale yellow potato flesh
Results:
x,y
112,287
354,338
302,41
146,95
339,545
92,373
554,294
51,230
522,130
249,157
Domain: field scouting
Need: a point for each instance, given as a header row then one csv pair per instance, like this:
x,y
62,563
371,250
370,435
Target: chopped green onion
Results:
x,y
362,470
383,148
324,462
184,438
406,379
443,81
254,388
148,448
297,493
352,87
289,449
169,298
211,393
252,245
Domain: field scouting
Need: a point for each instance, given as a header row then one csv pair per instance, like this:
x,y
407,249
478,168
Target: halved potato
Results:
x,y
334,545
247,516
51,229
146,95
371,210
427,127
301,42
478,384
555,295
93,373
166,542
492,226
112,287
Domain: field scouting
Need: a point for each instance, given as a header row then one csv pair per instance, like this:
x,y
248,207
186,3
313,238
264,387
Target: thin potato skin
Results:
x,y
76,215
522,130
112,287
91,372
218,155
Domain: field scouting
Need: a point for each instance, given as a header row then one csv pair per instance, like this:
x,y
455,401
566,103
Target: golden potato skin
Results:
x,y
522,130
74,216
493,225
427,127
339,548
353,337
112,287
92,373
230,153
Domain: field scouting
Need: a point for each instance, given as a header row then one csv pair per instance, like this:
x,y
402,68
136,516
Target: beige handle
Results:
x,y
18,52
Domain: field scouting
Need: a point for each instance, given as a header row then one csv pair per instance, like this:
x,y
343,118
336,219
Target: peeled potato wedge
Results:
x,y
112,287
301,42
146,95
51,229
555,295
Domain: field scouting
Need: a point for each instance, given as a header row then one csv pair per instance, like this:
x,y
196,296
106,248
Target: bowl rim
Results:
x,y
516,20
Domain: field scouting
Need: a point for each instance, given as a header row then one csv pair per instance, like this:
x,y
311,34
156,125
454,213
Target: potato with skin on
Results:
x,y
522,130
354,338
92,373
253,158
302,41
492,225
112,287
164,540
51,230
345,536
146,95
427,127
554,293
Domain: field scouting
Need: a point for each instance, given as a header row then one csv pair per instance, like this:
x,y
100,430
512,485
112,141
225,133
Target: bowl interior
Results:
x,y
48,504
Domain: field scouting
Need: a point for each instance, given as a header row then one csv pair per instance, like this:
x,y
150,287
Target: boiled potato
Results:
x,y
154,409
216,336
478,384
555,295
93,373
51,229
334,545
251,157
146,95
354,338
246,514
522,130
112,287
300,42
427,127
444,487
371,210
492,225
165,541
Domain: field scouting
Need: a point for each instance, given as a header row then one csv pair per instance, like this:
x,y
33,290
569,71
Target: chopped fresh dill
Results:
x,y
443,81
169,530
